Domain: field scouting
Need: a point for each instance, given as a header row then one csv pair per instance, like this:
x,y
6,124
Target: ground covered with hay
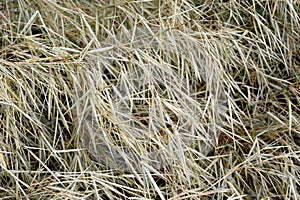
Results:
x,y
149,99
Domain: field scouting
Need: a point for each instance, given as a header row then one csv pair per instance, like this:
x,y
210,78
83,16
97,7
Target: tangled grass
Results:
x,y
149,99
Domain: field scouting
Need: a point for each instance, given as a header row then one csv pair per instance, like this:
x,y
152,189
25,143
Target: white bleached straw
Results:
x,y
163,96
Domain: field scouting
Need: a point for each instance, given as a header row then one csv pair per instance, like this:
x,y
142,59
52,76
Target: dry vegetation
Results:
x,y
157,99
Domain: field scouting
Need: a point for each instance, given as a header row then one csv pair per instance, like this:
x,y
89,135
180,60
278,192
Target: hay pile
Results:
x,y
149,99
